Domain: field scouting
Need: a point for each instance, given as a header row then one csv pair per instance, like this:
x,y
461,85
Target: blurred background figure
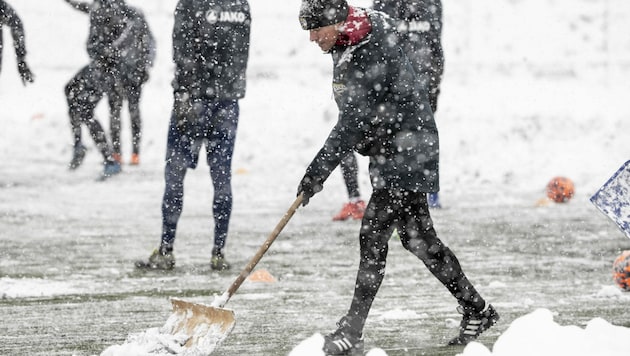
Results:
x,y
137,54
108,25
8,17
420,24
355,207
137,57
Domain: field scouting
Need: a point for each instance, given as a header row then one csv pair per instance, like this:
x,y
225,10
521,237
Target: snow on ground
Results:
x,y
33,287
538,334
532,89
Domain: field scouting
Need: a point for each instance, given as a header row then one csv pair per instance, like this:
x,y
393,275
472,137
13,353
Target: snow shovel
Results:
x,y
206,326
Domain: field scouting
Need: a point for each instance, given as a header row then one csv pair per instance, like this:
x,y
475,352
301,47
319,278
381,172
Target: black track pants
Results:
x,y
83,93
408,212
350,172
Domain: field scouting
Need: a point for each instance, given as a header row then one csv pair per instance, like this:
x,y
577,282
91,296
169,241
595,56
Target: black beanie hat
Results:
x,y
320,13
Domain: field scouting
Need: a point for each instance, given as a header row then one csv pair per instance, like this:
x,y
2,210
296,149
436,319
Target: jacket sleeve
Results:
x,y
131,29
185,42
352,130
79,5
12,20
359,127
335,148
106,27
148,42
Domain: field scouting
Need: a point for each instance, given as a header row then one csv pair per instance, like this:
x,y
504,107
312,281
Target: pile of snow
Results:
x,y
538,334
151,342
612,292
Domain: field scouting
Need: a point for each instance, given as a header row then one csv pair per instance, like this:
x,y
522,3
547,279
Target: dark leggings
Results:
x,y
408,212
83,93
350,172
132,91
217,128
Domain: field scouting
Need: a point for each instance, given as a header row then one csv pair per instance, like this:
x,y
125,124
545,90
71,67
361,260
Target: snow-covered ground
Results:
x,y
532,89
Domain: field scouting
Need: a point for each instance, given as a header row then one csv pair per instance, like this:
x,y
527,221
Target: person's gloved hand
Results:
x,y
184,111
309,186
25,72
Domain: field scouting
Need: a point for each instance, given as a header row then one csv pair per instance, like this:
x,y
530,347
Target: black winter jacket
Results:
x,y
384,113
107,23
211,48
8,17
420,24
136,43
119,35
414,15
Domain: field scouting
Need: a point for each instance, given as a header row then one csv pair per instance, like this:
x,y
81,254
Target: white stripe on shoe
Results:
x,y
343,344
472,327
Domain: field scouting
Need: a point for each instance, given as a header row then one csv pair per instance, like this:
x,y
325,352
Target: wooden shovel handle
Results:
x,y
265,246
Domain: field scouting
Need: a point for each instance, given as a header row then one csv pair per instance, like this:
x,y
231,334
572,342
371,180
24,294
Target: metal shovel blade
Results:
x,y
204,326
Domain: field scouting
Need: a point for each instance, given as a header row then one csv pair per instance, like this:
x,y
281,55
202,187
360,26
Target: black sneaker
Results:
x,y
474,323
346,340
78,154
218,261
159,260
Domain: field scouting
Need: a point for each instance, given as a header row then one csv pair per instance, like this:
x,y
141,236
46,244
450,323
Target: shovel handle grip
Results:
x,y
263,249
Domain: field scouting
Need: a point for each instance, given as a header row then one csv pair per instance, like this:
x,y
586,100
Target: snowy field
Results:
x,y
532,89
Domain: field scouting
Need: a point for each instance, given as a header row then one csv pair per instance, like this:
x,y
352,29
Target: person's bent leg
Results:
x,y
75,92
418,236
87,90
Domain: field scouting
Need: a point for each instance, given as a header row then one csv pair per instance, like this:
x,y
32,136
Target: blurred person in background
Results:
x,y
85,90
420,24
137,53
355,207
8,17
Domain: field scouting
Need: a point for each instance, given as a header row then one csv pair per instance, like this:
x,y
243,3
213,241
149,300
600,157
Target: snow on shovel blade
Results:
x,y
205,326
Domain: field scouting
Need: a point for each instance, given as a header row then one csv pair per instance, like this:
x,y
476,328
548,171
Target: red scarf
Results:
x,y
356,27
